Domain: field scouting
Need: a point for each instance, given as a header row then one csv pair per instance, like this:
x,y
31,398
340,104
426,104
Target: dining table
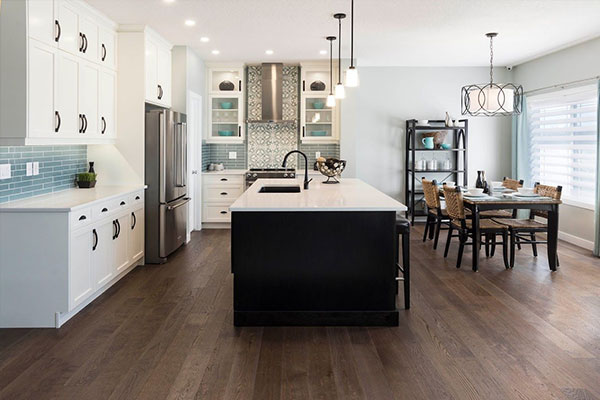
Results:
x,y
509,200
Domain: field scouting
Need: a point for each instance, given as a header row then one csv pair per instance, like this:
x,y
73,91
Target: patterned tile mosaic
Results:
x,y
58,167
269,142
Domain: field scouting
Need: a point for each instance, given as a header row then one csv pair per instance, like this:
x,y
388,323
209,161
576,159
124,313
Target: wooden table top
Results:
x,y
507,198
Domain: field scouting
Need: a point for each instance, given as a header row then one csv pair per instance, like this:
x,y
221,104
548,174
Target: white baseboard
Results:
x,y
577,241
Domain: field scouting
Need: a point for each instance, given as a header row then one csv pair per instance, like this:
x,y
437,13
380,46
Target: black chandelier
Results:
x,y
491,99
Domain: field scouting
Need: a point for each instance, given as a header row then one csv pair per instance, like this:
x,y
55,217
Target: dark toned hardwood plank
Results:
x,y
166,332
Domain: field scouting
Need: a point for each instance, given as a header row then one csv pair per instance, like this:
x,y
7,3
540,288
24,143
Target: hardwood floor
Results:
x,y
166,332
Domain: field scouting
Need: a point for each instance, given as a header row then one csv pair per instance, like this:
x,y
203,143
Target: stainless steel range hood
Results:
x,y
272,94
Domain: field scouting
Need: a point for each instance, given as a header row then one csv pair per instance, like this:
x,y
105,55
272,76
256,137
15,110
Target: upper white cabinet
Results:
x,y
158,69
318,122
226,104
55,55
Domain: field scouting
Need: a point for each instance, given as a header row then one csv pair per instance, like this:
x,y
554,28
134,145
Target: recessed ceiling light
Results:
x,y
169,1
215,52
323,52
204,39
269,52
190,22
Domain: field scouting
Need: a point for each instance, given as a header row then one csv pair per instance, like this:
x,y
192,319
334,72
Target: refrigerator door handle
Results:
x,y
184,154
181,203
180,155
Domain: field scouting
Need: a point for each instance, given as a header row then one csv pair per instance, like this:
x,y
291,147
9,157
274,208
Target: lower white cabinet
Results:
x,y
76,255
219,191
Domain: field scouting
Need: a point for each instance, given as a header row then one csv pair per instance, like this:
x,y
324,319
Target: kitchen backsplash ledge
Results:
x,y
58,168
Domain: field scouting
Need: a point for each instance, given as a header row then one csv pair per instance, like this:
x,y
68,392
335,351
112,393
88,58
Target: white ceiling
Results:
x,y
387,32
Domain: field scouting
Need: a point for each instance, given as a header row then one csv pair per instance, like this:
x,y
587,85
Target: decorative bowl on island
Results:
x,y
332,168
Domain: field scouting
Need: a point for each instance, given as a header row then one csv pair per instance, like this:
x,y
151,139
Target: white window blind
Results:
x,y
563,135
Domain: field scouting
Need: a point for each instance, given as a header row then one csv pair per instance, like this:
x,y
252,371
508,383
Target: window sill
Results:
x,y
578,204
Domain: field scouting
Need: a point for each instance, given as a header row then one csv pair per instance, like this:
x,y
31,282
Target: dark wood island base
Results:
x,y
326,268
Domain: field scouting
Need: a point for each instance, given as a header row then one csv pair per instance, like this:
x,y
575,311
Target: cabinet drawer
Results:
x,y
223,179
136,199
222,193
80,218
216,213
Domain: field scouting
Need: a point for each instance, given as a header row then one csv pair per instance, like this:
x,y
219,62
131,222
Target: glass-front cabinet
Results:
x,y
225,104
319,123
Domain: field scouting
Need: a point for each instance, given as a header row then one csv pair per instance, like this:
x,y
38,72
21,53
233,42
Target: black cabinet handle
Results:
x,y
84,123
223,212
103,125
103,52
304,86
86,43
58,121
118,227
134,220
81,45
114,229
82,218
224,193
80,123
160,92
122,203
240,85
95,239
58,32
137,197
104,209
303,131
224,179
239,130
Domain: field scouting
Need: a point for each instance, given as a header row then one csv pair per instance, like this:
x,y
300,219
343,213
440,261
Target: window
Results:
x,y
563,133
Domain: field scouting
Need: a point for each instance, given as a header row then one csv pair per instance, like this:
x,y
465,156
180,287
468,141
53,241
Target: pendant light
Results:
x,y
330,98
491,99
340,92
352,72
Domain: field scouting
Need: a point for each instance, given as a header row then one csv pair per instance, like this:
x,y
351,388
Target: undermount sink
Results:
x,y
280,189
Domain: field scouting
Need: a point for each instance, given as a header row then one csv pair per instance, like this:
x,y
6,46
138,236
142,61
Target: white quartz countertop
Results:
x,y
68,200
348,195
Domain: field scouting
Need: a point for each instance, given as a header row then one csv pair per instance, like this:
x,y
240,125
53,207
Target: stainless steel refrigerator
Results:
x,y
166,176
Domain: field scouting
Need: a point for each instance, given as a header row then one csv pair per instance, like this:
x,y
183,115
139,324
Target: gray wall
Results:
x,y
571,64
374,116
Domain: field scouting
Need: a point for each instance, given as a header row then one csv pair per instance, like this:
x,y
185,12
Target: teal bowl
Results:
x,y
226,105
225,133
446,146
318,133
319,105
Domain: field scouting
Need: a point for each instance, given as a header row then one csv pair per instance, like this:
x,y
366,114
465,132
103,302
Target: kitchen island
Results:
x,y
322,256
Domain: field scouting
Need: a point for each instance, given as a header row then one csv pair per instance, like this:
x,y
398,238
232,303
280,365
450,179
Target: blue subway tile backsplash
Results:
x,y
58,168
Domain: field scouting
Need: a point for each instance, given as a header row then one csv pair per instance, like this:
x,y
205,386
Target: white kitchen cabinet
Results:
x,y
102,267
37,105
68,123
42,120
89,80
318,122
135,241
226,105
120,255
81,282
219,191
157,69
84,244
107,111
41,21
67,24
107,47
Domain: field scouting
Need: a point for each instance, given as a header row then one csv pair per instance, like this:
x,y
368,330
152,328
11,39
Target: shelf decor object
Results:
x,y
330,98
491,99
226,86
452,169
340,92
317,86
352,72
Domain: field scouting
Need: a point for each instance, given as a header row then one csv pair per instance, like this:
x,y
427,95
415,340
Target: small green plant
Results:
x,y
86,177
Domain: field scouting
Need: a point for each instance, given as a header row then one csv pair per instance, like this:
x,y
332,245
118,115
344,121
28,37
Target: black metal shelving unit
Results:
x,y
415,200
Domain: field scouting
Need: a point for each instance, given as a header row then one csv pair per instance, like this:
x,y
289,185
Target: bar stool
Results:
x,y
403,228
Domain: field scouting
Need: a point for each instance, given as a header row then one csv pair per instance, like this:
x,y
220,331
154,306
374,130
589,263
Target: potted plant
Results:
x,y
86,180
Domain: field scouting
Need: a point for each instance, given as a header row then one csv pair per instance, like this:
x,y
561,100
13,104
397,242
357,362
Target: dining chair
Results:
x,y
487,227
436,215
524,230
